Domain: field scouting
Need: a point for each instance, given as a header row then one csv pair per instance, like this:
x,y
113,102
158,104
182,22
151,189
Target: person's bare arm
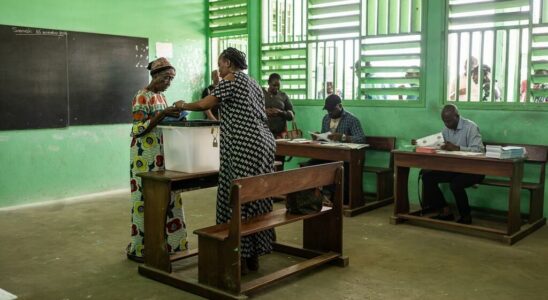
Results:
x,y
170,111
204,104
210,115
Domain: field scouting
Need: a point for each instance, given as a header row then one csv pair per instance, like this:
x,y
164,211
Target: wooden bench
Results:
x,y
384,193
219,259
537,155
322,232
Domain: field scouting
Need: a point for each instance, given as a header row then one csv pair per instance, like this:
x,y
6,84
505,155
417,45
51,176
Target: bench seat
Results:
x,y
536,155
259,223
377,170
506,183
384,192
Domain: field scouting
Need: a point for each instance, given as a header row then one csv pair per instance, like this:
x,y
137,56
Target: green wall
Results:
x,y
39,165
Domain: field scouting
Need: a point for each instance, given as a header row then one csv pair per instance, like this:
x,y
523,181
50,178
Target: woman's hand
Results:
x,y
172,111
179,104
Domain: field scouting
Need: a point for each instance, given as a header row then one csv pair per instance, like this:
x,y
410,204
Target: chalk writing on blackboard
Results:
x,y
37,31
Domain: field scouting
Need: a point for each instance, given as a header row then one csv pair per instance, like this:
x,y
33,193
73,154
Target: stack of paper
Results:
x,y
504,152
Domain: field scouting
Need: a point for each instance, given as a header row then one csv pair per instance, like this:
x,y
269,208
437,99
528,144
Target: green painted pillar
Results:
x,y
254,38
434,48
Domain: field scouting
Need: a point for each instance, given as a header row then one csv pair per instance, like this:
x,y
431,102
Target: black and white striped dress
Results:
x,y
247,149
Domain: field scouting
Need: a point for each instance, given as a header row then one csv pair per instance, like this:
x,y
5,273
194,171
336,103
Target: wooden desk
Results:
x,y
157,187
355,159
513,169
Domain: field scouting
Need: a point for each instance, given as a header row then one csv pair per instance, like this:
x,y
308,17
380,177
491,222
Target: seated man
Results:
x,y
459,134
345,128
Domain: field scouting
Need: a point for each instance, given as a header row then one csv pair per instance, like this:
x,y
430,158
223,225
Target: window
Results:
x,y
227,27
497,51
358,49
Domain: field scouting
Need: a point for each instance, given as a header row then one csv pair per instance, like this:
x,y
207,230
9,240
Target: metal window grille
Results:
x,y
497,51
338,41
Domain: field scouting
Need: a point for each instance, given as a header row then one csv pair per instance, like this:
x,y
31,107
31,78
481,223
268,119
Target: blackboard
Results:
x,y
33,78
52,78
105,72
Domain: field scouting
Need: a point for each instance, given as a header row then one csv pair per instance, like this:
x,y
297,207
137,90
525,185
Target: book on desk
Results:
x,y
504,152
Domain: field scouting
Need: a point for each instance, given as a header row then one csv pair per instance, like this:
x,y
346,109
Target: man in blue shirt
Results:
x,y
459,134
344,126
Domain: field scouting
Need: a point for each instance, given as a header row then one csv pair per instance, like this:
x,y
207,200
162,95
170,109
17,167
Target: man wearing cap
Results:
x,y
344,126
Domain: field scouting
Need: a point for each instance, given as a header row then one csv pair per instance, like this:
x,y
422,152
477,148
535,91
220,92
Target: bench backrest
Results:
x,y
382,143
279,183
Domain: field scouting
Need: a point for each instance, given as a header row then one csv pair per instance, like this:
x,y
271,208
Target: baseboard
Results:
x,y
68,200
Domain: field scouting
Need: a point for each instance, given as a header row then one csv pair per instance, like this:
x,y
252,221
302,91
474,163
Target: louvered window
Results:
x,y
227,17
497,51
391,50
227,27
358,49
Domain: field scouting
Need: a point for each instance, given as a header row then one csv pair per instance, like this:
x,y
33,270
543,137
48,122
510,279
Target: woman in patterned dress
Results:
x,y
247,146
149,107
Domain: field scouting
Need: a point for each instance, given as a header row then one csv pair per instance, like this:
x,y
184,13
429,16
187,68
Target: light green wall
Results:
x,y
45,164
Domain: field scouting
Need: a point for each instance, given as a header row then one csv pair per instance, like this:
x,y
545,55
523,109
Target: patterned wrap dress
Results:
x,y
147,154
247,149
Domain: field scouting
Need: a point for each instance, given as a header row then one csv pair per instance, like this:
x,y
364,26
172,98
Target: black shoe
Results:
x,y
252,263
135,258
243,267
448,217
465,220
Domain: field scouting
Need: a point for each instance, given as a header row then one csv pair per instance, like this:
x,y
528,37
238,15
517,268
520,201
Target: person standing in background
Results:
x,y
463,91
212,113
278,107
149,107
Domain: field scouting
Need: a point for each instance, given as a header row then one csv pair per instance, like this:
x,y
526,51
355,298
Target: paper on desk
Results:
x,y
299,141
321,136
461,153
434,140
346,145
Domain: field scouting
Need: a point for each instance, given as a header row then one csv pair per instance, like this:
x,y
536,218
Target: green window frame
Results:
x,y
509,41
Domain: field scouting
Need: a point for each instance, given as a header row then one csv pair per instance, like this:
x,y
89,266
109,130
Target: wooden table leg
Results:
x,y
157,196
514,214
401,197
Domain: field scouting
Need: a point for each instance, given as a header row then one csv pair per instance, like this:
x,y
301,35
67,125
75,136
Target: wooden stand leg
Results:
x,y
157,196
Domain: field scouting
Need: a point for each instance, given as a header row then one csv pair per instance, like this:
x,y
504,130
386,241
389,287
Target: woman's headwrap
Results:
x,y
158,65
